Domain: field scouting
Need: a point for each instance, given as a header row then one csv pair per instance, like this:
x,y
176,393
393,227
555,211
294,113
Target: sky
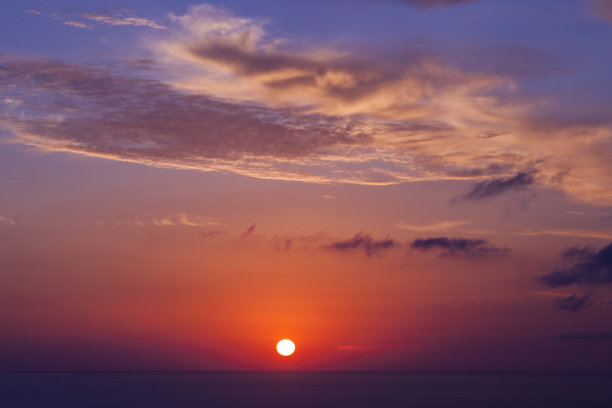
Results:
x,y
392,184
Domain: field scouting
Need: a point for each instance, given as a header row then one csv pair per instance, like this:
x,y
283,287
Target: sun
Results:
x,y
285,347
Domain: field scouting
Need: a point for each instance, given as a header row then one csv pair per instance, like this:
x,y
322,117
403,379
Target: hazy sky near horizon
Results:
x,y
408,184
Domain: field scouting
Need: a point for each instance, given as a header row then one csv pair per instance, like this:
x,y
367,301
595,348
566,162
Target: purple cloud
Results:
x,y
587,267
471,248
363,241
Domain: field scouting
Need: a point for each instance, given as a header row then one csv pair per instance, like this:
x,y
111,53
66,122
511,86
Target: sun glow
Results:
x,y
285,347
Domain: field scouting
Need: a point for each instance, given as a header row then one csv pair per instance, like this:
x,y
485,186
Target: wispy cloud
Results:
x,y
252,65
569,233
113,17
156,125
185,220
180,219
285,243
586,267
574,303
471,248
363,241
121,18
249,231
436,226
208,234
267,106
497,186
7,220
77,24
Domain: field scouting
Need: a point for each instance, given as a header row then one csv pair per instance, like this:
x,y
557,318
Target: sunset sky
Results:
x,y
392,184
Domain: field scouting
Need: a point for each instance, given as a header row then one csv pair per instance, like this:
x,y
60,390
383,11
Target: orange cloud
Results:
x,y
235,98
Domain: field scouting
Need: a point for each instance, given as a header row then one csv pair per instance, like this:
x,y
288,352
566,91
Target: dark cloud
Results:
x,y
573,303
426,4
363,241
577,253
587,267
208,234
248,232
497,186
585,336
476,248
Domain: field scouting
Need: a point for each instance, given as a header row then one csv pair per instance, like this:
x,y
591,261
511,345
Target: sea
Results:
x,y
301,389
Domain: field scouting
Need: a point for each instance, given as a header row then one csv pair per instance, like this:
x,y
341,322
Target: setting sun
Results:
x,y
285,347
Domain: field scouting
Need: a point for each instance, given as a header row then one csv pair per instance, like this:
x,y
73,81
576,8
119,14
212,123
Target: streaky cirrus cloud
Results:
x,y
581,233
586,267
121,18
497,186
574,303
436,226
363,241
179,219
76,24
456,247
113,17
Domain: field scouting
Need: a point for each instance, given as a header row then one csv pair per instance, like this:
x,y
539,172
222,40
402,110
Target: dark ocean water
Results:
x,y
301,389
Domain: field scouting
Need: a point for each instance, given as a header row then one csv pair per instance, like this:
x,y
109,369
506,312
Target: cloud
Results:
x,y
76,24
171,220
427,114
363,241
498,186
249,231
603,9
472,248
184,220
573,303
121,18
90,111
113,17
7,220
577,253
426,4
226,94
569,233
584,336
208,234
285,243
436,226
243,61
587,267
